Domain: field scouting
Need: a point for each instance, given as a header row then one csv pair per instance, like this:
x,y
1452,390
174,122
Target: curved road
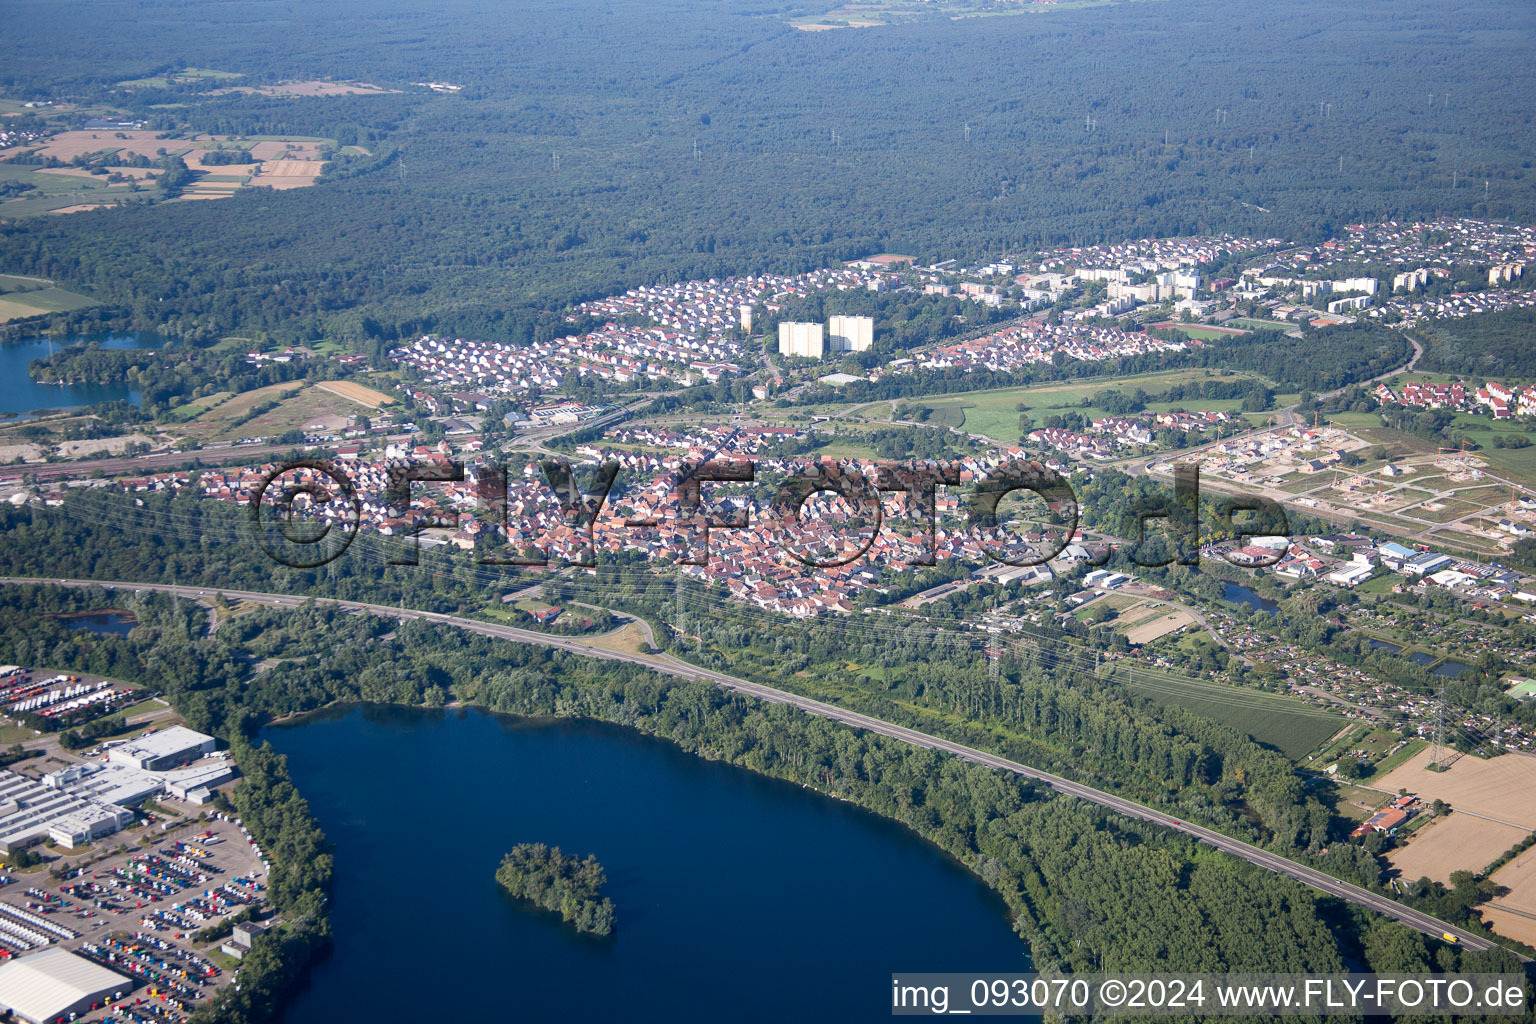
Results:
x,y
673,666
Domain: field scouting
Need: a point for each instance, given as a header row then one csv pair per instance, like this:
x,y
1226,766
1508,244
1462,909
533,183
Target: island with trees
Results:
x,y
565,884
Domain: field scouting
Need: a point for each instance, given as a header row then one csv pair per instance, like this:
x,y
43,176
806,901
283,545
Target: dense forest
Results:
x,y
1317,361
1493,346
560,883
1125,121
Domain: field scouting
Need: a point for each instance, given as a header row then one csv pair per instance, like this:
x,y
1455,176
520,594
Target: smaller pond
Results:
x,y
110,621
1239,594
1451,669
1382,645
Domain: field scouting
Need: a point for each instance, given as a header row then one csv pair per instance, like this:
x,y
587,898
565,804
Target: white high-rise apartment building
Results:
x,y
800,339
851,333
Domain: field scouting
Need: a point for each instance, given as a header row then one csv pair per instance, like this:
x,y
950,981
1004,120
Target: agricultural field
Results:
x,y
305,407
877,13
1459,842
280,163
1514,912
313,87
1159,626
21,297
1289,725
60,190
1500,787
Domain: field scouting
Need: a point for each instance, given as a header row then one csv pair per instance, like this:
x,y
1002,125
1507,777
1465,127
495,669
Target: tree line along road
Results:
x,y
670,665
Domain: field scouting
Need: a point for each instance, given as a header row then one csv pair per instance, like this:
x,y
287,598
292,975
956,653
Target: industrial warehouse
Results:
x,y
55,984
88,800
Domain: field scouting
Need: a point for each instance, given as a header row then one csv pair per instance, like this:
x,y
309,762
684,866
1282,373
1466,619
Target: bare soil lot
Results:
x,y
286,174
1161,626
356,392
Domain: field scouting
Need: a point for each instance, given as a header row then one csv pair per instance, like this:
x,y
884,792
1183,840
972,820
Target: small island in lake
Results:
x,y
571,887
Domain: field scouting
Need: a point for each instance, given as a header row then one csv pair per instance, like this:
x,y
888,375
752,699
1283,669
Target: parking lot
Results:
x,y
135,903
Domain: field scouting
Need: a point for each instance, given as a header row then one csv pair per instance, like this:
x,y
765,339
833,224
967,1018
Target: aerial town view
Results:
x,y
683,511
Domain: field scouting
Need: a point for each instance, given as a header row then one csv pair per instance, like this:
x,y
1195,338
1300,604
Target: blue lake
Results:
x,y
20,394
1382,645
107,622
1236,593
738,897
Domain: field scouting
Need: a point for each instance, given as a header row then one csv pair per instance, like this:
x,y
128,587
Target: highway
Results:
x,y
676,667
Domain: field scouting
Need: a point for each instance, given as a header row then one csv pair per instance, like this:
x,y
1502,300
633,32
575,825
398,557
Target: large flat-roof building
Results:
x,y
51,984
164,749
850,333
82,802
29,810
800,339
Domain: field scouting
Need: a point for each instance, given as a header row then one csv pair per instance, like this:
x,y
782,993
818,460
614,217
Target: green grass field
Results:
x,y
996,413
1402,757
183,76
1285,723
21,297
55,191
1200,331
1251,324
1518,464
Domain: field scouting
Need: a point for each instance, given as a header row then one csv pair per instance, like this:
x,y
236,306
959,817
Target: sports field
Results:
x,y
1251,324
1203,332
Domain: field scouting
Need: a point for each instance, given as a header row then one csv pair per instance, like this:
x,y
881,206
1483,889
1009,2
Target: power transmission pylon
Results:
x,y
1437,751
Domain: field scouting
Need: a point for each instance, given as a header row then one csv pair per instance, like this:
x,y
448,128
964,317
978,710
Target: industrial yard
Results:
x,y
128,891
